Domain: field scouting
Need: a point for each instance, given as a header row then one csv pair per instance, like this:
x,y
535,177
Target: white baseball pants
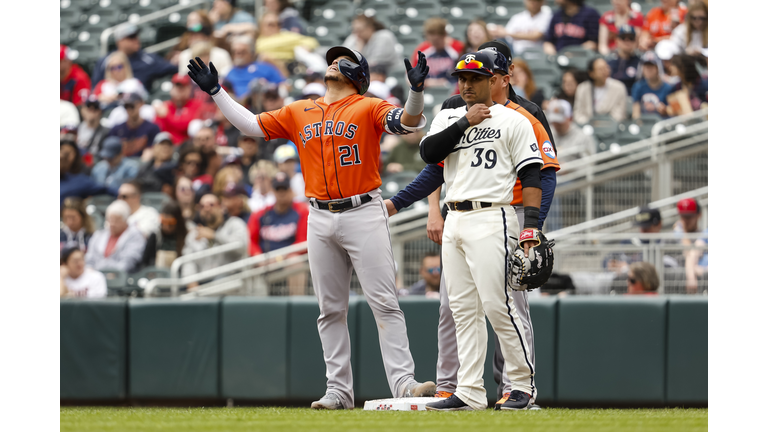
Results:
x,y
476,245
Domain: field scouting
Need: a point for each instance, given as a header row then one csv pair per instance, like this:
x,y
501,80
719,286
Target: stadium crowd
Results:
x,y
218,185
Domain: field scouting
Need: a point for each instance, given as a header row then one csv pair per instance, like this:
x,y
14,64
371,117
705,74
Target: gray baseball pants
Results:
x,y
448,357
337,243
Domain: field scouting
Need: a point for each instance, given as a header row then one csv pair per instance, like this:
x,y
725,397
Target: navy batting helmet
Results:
x,y
357,72
499,61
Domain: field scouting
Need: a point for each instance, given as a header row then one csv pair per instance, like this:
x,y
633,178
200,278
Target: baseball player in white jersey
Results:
x,y
485,147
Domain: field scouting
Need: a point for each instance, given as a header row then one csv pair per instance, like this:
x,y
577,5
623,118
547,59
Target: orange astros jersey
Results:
x,y
338,143
545,148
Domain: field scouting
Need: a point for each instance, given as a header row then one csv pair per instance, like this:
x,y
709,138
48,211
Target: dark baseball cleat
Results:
x,y
517,400
501,401
453,403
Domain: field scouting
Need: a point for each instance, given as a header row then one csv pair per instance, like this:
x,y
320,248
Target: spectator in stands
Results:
x,y
200,30
77,280
74,83
374,41
649,221
119,114
228,19
118,247
660,21
90,133
228,176
146,67
191,163
442,53
569,81
691,37
247,68
649,95
405,155
117,71
527,28
167,244
288,16
572,142
601,94
696,260
204,139
572,24
72,180
136,133
260,176
184,195
213,228
279,225
523,82
429,284
642,278
611,21
249,155
315,91
476,34
287,159
174,115
234,198
624,61
212,162
145,218
78,226
69,116
150,176
278,45
113,169
691,93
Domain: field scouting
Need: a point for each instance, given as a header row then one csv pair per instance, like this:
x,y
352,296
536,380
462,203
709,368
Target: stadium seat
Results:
x,y
575,56
136,282
415,12
154,199
383,10
604,126
463,11
101,202
72,17
545,73
80,4
116,281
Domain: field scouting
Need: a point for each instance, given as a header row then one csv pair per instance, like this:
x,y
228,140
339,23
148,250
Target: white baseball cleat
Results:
x,y
330,402
416,389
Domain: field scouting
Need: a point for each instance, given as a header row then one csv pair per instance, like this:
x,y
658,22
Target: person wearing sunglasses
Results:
x,y
429,284
485,146
692,36
144,218
146,67
136,131
624,61
642,278
118,71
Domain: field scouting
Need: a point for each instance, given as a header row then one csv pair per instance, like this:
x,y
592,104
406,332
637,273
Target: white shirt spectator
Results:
x,y
680,36
257,201
90,284
146,219
523,22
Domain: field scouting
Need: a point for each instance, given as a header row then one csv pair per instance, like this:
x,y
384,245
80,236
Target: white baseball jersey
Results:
x,y
484,164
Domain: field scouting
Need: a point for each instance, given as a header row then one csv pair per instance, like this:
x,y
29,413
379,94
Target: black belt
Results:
x,y
466,205
341,205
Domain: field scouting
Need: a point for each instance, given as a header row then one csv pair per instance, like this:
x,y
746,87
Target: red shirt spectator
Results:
x,y
279,225
613,19
75,85
660,22
173,116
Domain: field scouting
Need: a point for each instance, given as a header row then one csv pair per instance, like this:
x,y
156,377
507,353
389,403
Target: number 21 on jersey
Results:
x,y
349,155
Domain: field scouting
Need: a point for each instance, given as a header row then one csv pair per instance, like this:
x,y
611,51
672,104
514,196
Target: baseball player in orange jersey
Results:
x,y
448,364
338,140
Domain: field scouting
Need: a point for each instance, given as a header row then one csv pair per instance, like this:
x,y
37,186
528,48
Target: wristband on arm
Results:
x,y
414,106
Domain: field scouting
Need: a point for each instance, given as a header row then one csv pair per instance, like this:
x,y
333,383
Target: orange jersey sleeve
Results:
x,y
545,147
338,143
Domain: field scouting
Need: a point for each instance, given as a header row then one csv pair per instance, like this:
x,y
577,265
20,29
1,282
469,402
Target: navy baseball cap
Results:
x,y
113,146
647,217
500,63
626,29
499,46
281,181
474,62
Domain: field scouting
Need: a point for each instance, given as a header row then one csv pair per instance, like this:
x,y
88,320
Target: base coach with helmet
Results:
x,y
485,147
338,139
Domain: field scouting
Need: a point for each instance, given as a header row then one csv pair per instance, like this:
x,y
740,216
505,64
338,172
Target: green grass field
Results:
x,y
306,420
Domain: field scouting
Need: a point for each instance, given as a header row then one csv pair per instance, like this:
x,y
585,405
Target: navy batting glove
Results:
x,y
417,74
206,79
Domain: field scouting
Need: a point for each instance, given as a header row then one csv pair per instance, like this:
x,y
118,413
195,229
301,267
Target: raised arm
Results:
x,y
208,80
414,106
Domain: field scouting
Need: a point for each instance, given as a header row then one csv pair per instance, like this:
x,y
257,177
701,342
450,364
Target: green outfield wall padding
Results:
x,y
254,348
306,367
611,349
544,318
687,350
174,348
92,354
